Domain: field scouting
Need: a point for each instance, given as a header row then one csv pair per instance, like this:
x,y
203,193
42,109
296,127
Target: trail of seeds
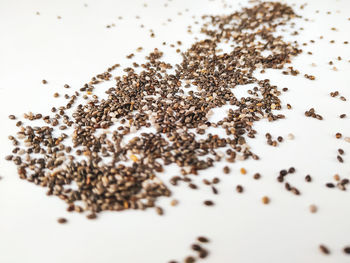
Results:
x,y
172,104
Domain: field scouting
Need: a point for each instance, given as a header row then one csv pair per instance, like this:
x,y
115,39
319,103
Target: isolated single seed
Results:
x,y
239,189
203,239
324,249
265,200
226,170
313,208
62,220
208,203
346,250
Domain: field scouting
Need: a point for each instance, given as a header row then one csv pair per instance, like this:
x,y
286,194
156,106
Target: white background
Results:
x,y
78,46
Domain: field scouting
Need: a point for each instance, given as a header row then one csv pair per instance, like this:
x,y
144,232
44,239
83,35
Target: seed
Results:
x,y
209,203
203,253
56,95
8,157
174,202
243,171
192,186
91,216
239,189
342,116
324,249
346,250
290,136
291,170
336,177
283,172
196,247
308,178
203,239
159,210
12,117
341,151
347,139
62,220
226,170
340,159
313,208
44,81
330,185
265,200
295,191
338,135
206,182
190,259
216,180
215,191
256,176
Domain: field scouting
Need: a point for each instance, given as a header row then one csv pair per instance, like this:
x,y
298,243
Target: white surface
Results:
x,y
78,46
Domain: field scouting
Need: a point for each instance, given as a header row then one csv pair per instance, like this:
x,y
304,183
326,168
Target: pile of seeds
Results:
x,y
96,168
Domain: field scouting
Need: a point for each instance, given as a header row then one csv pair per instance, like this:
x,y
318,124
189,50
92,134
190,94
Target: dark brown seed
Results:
x,y
291,170
62,220
190,259
346,250
203,253
192,186
91,216
324,249
215,191
203,239
330,185
196,247
12,117
208,203
256,176
239,189
44,81
338,135
308,178
340,159
216,180
226,170
283,172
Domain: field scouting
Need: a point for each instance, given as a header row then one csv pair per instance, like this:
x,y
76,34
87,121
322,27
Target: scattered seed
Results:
x,y
265,200
313,208
324,249
62,220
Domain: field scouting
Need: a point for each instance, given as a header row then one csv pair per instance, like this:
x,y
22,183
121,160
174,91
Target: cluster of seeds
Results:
x,y
311,113
170,108
167,110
